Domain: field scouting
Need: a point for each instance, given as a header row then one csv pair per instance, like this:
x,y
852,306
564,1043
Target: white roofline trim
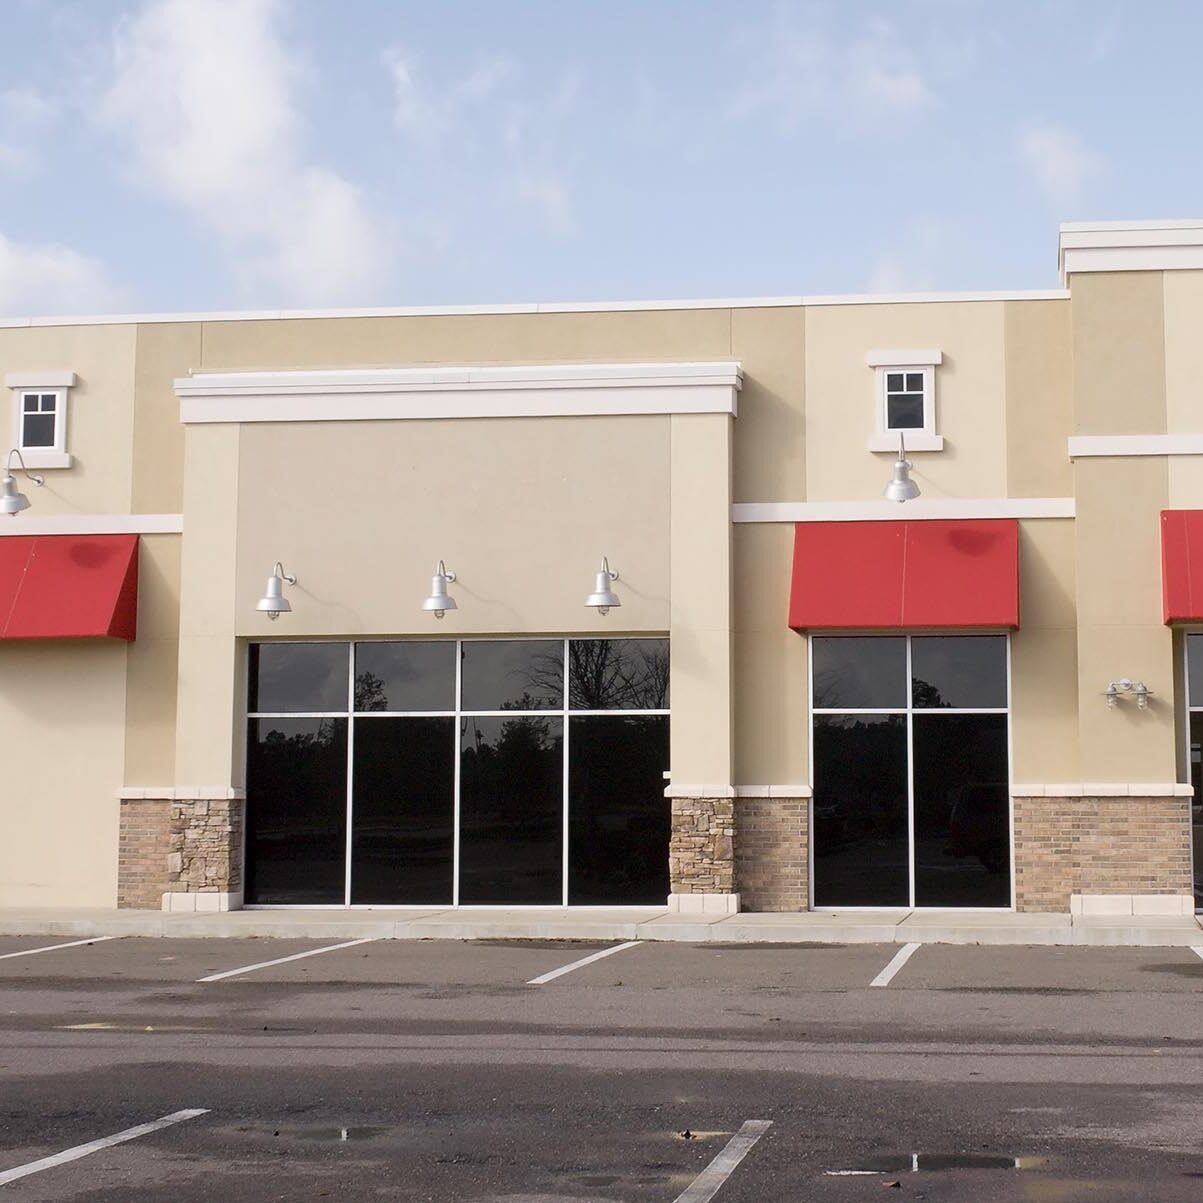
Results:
x,y
1085,446
1113,246
95,524
275,315
883,511
509,391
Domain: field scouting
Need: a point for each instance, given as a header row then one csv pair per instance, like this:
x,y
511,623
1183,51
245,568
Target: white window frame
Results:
x,y
58,383
924,362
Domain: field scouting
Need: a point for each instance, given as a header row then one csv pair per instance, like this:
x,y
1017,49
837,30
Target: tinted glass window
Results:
x,y
511,810
1194,669
405,676
514,674
962,672
403,821
296,810
619,818
861,844
858,673
618,674
291,677
962,841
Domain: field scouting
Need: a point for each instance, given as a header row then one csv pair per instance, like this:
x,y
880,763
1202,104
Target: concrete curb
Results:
x,y
746,928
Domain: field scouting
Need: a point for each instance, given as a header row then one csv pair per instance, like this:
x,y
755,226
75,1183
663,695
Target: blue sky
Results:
x,y
216,154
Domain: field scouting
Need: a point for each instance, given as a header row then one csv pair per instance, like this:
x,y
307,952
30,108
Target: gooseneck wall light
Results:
x,y
438,603
603,599
12,502
901,487
273,603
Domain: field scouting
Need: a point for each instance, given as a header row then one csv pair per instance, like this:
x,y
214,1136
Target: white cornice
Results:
x,y
525,390
1084,446
884,511
94,524
1112,246
792,302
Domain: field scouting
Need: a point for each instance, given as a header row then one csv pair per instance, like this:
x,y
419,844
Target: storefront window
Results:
x,y
1194,696
459,772
911,775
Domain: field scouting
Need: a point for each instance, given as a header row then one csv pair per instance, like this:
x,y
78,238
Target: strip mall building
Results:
x,y
800,695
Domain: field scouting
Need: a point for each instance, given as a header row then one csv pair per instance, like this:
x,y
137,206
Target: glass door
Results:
x,y
911,803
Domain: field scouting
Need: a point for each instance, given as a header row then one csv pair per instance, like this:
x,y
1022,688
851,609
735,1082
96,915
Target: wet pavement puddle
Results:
x,y
914,1163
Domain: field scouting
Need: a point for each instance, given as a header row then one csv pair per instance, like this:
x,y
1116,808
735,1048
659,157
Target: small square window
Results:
x,y
905,400
40,417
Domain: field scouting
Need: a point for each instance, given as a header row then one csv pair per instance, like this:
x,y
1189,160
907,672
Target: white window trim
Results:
x,y
924,361
58,383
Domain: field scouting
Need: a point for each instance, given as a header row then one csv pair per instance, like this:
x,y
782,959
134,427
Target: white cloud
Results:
x,y
24,116
803,70
44,278
204,93
550,197
428,117
1061,165
923,251
507,135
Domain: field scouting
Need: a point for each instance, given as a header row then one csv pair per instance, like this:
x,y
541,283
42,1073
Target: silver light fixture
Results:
x,y
438,602
273,603
603,598
1124,686
902,488
12,502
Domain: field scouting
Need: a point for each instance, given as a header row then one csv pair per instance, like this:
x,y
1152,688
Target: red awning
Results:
x,y
1182,565
928,573
68,586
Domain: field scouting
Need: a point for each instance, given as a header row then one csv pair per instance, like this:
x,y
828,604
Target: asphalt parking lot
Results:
x,y
533,1072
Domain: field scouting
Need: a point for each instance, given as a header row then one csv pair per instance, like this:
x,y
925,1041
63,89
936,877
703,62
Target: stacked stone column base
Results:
x,y
181,848
739,847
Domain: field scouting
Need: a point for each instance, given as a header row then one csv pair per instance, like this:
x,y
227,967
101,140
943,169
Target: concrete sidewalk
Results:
x,y
852,927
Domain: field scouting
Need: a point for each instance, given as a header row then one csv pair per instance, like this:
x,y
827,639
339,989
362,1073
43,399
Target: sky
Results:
x,y
189,155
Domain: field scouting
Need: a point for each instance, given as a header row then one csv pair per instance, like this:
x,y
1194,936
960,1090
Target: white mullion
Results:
x,y
910,772
455,748
350,770
564,783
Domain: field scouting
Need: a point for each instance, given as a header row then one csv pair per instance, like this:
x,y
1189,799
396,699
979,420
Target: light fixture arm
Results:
x,y
284,576
605,567
448,576
36,477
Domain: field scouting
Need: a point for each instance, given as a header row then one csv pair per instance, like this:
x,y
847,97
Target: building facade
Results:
x,y
800,695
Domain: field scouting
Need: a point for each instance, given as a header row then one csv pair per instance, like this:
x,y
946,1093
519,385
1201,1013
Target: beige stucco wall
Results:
x,y
1183,301
772,745
970,398
1044,677
1120,381
62,711
1039,398
99,415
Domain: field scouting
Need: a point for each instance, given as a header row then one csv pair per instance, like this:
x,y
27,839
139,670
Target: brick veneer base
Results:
x,y
771,870
701,848
178,846
1108,845
142,837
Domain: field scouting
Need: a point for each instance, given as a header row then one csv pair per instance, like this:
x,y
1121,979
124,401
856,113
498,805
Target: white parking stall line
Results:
x,y
94,1146
296,956
597,956
706,1185
28,952
900,958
